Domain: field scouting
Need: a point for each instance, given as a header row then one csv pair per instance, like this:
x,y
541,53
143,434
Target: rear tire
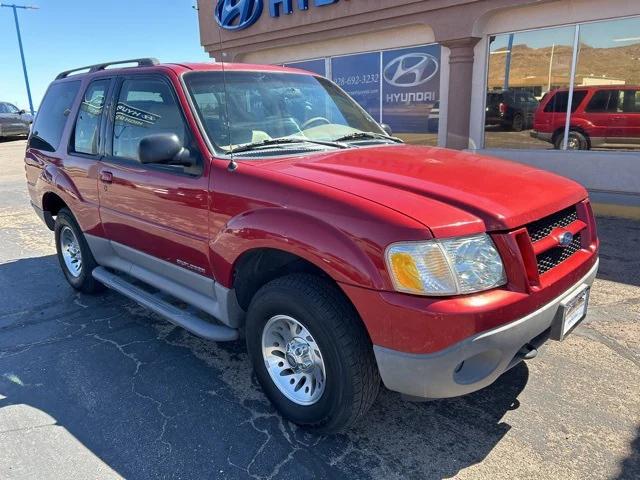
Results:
x,y
74,255
320,317
517,125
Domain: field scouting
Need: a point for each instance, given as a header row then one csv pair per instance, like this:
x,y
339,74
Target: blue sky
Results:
x,y
65,34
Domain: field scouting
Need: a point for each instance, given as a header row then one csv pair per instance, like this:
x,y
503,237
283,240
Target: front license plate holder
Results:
x,y
572,311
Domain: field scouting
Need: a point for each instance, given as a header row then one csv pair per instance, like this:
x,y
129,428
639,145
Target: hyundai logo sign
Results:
x,y
238,14
411,70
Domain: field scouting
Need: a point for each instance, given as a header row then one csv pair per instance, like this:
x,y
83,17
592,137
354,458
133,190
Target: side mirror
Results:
x,y
387,129
21,112
164,148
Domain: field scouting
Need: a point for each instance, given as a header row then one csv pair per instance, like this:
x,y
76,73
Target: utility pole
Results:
x,y
24,65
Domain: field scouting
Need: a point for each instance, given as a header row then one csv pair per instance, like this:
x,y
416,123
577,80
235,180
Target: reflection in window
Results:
x,y
85,134
145,107
523,68
608,69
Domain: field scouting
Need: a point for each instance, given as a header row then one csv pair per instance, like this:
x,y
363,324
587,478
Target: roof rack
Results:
x,y
142,62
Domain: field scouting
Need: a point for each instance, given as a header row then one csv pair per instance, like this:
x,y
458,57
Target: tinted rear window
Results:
x,y
559,101
52,115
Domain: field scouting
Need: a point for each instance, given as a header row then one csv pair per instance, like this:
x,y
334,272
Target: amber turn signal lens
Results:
x,y
405,271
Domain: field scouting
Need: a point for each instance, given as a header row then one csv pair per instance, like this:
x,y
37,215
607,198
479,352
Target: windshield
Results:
x,y
262,107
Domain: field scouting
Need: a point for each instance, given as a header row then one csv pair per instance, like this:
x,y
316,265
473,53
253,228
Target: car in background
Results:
x,y
13,121
605,116
511,109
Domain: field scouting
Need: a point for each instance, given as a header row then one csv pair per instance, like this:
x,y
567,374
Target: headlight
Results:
x,y
445,267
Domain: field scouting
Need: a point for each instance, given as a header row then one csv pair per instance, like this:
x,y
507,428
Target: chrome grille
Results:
x,y
551,258
542,228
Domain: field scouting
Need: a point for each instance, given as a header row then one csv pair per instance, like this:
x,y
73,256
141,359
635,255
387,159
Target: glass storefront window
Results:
x,y
318,67
411,93
608,75
523,68
400,88
359,76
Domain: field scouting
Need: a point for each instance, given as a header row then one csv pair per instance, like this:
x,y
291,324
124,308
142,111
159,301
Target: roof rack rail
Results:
x,y
142,62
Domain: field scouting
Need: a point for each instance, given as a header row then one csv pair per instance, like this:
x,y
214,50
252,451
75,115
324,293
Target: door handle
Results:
x,y
106,177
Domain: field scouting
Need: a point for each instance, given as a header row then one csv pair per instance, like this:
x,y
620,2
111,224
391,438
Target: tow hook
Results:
x,y
528,352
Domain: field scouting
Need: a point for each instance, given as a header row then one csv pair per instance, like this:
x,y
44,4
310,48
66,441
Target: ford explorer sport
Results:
x,y
267,201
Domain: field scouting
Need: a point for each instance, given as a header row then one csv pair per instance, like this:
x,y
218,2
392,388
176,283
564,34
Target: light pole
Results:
x,y
24,65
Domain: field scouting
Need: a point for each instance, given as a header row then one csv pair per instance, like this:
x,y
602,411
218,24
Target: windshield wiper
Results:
x,y
284,141
363,135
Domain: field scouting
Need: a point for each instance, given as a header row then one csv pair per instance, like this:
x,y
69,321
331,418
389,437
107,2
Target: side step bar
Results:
x,y
183,319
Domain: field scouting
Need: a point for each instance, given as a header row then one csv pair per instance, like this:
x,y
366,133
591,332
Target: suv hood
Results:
x,y
450,192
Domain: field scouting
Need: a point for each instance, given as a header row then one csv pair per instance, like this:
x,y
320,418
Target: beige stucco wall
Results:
x,y
417,34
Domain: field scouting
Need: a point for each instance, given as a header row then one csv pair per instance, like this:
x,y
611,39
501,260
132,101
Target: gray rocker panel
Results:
x,y
189,322
196,290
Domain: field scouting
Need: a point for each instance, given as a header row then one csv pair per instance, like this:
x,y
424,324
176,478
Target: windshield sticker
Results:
x,y
134,116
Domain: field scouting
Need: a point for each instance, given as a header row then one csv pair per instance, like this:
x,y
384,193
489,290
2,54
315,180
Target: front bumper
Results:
x,y
486,355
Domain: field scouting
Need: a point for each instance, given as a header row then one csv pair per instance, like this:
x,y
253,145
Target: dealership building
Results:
x,y
469,74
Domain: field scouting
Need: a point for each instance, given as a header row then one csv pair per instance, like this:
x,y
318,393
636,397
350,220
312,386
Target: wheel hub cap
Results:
x,y
298,354
70,249
293,359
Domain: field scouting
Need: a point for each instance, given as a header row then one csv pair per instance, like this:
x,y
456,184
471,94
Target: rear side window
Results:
x,y
558,104
52,116
85,135
629,101
603,101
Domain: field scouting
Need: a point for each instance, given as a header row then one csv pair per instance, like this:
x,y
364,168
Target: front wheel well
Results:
x,y
256,268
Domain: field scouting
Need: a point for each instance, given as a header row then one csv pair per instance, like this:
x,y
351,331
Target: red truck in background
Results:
x,y
269,201
601,117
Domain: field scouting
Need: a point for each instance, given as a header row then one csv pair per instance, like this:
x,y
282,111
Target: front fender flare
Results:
x,y
325,246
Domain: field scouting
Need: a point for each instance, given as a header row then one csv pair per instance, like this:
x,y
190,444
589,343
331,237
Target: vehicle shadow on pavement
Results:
x,y
151,400
619,250
630,467
11,139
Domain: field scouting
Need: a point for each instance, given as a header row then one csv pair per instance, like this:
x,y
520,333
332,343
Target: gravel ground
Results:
x,y
97,387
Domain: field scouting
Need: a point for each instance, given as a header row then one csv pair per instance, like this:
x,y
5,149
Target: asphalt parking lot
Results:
x,y
96,387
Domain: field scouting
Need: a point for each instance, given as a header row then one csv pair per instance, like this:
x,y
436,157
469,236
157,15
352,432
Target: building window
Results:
x,y
523,68
400,88
608,71
359,76
534,76
319,67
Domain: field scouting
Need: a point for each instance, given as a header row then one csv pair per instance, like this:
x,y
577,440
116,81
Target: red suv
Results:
x,y
269,202
606,116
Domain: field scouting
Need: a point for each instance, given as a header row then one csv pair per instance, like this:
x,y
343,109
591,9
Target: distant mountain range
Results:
x,y
530,66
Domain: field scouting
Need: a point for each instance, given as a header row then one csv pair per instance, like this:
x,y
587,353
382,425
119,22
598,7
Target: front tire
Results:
x,y
311,353
74,255
575,141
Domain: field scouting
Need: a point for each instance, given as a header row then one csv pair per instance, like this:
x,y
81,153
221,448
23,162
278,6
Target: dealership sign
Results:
x,y
241,14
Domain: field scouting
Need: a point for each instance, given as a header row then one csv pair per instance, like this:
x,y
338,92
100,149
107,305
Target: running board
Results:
x,y
189,322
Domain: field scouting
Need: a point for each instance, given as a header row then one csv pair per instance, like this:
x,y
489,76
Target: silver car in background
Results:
x,y
13,121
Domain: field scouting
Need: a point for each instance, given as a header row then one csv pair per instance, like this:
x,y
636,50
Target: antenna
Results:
x,y
233,165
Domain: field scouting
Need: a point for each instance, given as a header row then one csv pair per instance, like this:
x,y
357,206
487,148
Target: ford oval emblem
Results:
x,y
237,14
566,239
411,70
